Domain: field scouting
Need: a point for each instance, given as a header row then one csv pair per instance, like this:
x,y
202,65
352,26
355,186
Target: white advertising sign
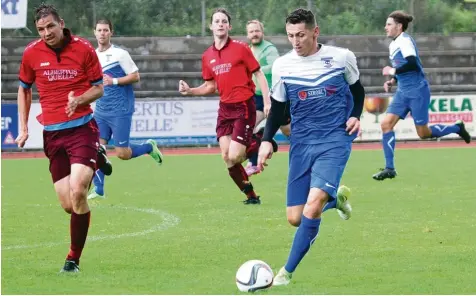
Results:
x,y
190,122
14,14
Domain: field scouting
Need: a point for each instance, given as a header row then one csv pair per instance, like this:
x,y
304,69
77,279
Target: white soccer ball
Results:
x,y
254,275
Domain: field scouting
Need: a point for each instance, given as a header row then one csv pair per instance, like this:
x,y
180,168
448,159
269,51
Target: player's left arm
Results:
x,y
130,68
409,53
254,67
351,75
271,53
93,70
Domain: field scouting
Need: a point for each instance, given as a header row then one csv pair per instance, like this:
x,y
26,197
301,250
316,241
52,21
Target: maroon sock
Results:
x,y
254,147
238,174
78,228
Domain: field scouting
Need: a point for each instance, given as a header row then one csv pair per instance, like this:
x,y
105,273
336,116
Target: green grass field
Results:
x,y
181,229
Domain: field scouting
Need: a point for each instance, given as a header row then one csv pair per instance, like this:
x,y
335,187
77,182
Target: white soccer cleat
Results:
x,y
343,206
282,278
94,194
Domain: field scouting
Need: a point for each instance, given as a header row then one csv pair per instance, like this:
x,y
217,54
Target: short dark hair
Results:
x,y
302,15
401,17
222,10
104,21
44,10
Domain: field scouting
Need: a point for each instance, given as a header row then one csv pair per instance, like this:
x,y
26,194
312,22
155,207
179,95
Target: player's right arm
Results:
x,y
27,78
207,88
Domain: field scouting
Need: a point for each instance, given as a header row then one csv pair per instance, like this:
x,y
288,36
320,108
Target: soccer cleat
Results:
x,y
282,278
252,170
463,133
343,206
385,174
103,162
252,201
70,266
155,153
96,193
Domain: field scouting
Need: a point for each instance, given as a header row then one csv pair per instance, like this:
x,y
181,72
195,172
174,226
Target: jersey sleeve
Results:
x,y
27,73
407,47
93,67
206,72
249,59
127,64
278,90
351,72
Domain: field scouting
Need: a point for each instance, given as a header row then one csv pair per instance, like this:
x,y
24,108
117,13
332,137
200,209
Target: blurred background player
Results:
x,y
326,96
114,110
412,95
68,76
230,64
265,53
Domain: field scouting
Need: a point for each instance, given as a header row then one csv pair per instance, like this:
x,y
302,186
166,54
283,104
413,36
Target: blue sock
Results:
x,y
98,182
388,142
440,130
330,205
305,236
254,159
138,150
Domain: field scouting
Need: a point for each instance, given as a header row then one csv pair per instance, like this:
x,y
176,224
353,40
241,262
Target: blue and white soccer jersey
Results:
x,y
114,109
317,87
413,91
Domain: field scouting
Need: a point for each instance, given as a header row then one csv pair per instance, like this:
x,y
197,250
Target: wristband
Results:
x,y
115,81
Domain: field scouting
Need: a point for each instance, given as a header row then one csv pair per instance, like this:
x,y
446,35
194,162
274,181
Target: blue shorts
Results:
x,y
119,127
259,102
315,166
414,100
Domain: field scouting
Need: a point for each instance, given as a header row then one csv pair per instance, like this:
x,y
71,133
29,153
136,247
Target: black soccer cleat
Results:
x,y
259,135
252,201
385,174
104,165
463,133
70,266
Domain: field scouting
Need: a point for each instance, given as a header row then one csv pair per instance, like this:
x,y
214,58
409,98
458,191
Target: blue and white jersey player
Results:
x,y
115,108
326,100
412,95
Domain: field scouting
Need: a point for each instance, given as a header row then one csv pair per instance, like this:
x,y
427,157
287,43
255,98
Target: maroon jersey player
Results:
x,y
228,65
68,77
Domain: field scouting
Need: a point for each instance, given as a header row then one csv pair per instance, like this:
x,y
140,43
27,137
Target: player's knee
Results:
x,y
78,191
294,220
235,158
123,154
386,126
68,209
224,156
424,133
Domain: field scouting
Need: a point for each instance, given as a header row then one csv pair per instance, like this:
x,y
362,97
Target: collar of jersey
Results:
x,y
224,46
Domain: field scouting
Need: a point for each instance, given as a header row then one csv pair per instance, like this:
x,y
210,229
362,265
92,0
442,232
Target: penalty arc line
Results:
x,y
169,221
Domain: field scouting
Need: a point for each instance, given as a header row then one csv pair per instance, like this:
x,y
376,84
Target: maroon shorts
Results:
x,y
73,145
237,120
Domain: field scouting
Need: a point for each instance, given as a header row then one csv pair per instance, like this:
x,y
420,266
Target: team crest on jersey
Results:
x,y
108,57
328,61
310,94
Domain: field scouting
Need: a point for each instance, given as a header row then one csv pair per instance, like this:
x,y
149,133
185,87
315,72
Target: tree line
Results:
x,y
184,17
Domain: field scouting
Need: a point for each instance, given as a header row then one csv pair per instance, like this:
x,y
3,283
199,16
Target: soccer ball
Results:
x,y
254,275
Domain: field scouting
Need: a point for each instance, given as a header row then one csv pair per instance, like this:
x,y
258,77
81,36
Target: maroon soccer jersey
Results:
x,y
231,67
56,72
